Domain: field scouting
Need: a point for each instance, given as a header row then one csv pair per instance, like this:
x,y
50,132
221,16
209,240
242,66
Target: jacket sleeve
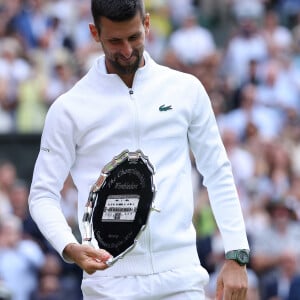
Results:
x,y
213,164
56,156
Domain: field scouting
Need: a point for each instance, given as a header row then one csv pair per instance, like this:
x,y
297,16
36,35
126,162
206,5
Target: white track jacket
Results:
x,y
98,119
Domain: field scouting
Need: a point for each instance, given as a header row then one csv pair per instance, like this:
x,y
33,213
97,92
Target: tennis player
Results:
x,y
128,101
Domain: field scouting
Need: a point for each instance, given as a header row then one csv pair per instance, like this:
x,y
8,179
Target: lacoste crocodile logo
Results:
x,y
165,108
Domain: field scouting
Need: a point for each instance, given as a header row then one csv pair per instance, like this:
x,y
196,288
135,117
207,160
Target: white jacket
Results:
x,y
99,118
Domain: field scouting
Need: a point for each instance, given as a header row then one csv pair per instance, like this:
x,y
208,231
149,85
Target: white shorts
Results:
x,y
179,284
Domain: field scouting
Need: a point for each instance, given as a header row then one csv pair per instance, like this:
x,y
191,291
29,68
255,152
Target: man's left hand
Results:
x,y
232,283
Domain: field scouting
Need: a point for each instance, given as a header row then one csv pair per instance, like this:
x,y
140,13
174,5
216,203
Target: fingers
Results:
x,y
98,254
237,294
91,266
232,282
230,291
88,258
95,260
219,291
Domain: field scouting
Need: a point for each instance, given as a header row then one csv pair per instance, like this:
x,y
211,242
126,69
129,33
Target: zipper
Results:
x,y
147,231
136,118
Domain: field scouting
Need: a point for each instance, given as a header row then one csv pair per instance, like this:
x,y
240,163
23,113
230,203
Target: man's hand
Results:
x,y
86,257
232,283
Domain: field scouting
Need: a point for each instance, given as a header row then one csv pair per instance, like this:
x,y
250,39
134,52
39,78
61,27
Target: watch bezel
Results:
x,y
243,256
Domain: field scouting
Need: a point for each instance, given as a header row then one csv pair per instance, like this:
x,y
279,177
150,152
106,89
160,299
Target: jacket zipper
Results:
x,y
136,119
137,137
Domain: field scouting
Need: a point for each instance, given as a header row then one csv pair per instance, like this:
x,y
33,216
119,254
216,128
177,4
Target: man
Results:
x,y
116,107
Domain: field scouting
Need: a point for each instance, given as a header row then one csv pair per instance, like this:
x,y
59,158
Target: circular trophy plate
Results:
x,y
122,197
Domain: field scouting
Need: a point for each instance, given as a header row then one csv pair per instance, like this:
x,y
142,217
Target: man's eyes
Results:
x,y
115,41
134,37
118,41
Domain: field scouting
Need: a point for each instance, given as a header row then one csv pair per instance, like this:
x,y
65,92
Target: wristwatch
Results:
x,y
241,256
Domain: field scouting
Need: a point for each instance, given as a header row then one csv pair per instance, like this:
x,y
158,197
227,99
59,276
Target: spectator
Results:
x,y
20,260
31,109
6,122
50,287
28,22
8,175
267,252
18,198
14,69
58,280
242,161
61,20
85,50
278,284
191,43
252,78
62,76
289,11
246,45
179,9
278,77
279,164
250,114
161,28
278,37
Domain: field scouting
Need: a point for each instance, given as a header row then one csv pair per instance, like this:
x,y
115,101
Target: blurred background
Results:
x,y
247,55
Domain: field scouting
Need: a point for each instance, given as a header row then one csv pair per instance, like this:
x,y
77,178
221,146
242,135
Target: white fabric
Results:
x,y
178,284
192,45
98,119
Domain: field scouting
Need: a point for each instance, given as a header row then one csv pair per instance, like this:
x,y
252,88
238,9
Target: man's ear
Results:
x,y
147,23
94,32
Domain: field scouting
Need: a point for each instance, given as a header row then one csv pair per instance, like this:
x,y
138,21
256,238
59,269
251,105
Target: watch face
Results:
x,y
243,257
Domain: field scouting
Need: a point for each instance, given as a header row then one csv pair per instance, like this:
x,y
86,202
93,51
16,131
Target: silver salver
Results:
x,y
119,204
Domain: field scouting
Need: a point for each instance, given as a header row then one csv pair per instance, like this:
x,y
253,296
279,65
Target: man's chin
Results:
x,y
127,69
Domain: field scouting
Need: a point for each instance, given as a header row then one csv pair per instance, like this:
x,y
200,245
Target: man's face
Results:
x,y
122,43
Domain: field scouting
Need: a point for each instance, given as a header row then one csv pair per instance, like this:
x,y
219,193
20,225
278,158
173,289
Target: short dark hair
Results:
x,y
117,10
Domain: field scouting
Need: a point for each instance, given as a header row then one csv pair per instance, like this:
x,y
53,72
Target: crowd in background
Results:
x,y
247,55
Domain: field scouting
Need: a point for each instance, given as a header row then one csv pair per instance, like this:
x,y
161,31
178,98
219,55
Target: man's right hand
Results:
x,y
86,257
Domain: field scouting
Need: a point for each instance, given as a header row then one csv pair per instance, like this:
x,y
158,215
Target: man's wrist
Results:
x,y
241,256
67,252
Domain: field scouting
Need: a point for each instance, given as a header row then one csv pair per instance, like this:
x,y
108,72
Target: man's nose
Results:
x,y
126,50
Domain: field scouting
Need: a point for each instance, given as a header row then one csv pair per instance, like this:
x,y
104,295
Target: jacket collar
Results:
x,y
101,68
